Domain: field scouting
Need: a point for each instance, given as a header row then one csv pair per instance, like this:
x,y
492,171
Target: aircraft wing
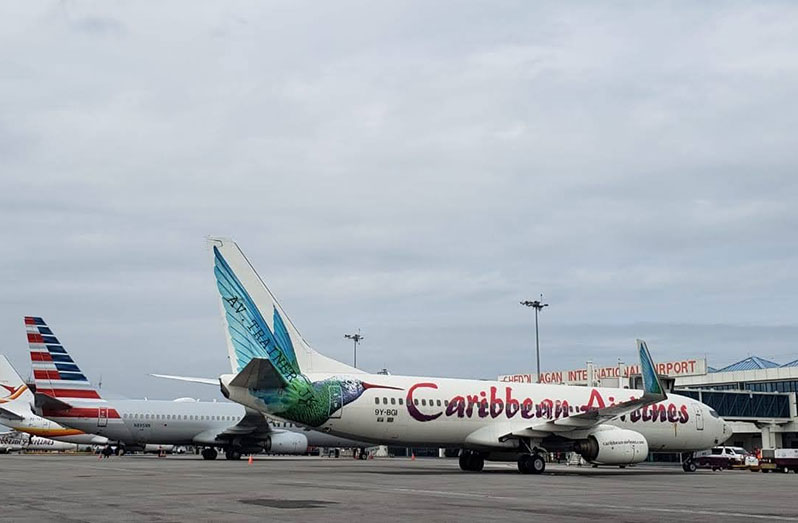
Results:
x,y
252,424
653,392
204,381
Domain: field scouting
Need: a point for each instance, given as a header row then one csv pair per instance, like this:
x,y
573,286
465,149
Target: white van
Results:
x,y
718,458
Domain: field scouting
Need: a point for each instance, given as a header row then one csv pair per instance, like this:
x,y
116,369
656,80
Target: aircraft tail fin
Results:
x,y
11,385
651,384
256,326
55,373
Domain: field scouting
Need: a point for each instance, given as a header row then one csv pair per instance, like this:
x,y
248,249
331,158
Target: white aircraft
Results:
x,y
15,441
278,373
65,396
16,412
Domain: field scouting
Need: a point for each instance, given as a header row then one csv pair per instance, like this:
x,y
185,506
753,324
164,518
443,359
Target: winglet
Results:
x,y
651,383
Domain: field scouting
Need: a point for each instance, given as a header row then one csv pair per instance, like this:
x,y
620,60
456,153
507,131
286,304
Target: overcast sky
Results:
x,y
412,169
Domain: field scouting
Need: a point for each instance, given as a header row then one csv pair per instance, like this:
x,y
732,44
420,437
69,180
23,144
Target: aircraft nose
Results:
x,y
727,431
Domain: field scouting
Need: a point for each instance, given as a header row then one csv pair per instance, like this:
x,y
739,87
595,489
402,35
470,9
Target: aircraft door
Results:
x,y
336,401
102,417
699,418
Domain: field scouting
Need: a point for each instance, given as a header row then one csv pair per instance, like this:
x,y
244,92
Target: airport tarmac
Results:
x,y
187,488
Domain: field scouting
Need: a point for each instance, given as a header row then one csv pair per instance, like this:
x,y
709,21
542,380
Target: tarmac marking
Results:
x,y
443,493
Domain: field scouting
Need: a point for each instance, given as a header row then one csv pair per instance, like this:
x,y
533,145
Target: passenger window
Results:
x,y
415,400
376,401
445,403
401,401
393,401
439,403
384,401
424,402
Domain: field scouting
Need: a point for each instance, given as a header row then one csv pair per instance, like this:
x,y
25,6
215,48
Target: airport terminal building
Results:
x,y
756,395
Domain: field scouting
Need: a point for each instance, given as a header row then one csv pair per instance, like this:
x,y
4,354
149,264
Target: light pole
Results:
x,y
538,305
356,338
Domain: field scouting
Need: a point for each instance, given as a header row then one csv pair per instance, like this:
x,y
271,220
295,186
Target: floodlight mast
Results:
x,y
356,338
538,306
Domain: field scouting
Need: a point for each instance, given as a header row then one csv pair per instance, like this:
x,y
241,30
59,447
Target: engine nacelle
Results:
x,y
613,447
158,448
286,443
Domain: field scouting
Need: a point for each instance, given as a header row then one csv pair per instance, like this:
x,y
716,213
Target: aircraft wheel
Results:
x,y
531,464
538,464
477,462
689,466
464,460
471,461
232,454
209,454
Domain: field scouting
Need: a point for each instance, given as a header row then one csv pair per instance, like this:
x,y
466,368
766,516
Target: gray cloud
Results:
x,y
412,170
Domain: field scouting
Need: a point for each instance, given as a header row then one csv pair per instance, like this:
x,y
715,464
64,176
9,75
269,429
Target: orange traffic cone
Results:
x,y
413,456
250,459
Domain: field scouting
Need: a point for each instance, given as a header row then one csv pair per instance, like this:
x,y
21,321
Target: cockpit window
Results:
x,y
713,413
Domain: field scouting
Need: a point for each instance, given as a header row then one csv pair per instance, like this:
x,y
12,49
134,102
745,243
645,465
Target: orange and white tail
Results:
x,y
11,385
55,373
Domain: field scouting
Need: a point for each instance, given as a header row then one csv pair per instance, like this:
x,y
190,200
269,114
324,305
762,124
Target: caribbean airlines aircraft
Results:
x,y
15,412
65,396
15,441
276,372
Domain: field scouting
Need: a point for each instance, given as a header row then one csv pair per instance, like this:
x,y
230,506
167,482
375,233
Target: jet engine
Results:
x,y
286,443
613,447
158,448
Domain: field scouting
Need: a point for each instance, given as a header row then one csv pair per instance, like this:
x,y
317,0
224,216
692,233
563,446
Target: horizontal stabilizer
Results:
x,y
204,381
9,415
43,401
259,374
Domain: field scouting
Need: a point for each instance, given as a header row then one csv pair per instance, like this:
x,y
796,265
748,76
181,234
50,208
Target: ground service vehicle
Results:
x,y
719,458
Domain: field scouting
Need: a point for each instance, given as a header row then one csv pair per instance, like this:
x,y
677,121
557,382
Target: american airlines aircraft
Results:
x,y
15,412
278,373
65,396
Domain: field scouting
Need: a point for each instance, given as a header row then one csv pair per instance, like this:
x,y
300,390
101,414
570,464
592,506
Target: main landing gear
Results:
x,y
232,454
471,461
531,463
689,465
209,453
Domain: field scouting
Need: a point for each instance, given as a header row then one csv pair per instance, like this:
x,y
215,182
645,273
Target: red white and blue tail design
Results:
x,y
55,373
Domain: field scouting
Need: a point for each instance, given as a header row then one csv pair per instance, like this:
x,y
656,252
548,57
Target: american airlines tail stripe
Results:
x,y
51,433
79,412
70,393
46,374
77,380
33,320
